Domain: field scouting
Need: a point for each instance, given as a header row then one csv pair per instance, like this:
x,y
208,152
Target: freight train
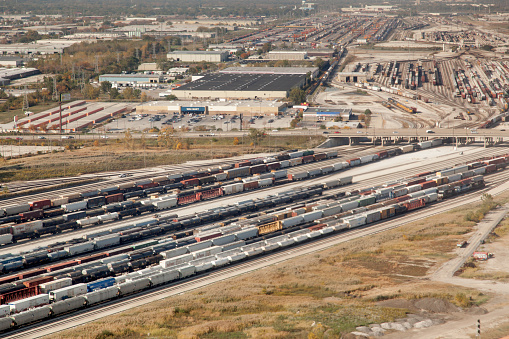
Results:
x,y
179,263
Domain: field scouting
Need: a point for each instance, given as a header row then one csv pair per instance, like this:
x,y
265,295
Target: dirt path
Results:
x,y
464,324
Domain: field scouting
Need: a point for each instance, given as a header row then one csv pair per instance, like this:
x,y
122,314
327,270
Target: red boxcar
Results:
x,y
320,156
38,281
423,174
273,166
250,185
61,266
149,185
114,198
256,169
495,161
91,258
188,198
491,168
212,193
40,204
32,273
317,227
11,278
243,164
415,182
307,159
190,182
18,295
207,236
32,215
428,184
412,205
402,198
382,154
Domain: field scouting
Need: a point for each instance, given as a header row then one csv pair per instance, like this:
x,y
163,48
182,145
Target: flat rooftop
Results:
x,y
244,82
270,70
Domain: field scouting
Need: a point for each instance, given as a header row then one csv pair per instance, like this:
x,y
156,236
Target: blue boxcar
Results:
x,y
100,284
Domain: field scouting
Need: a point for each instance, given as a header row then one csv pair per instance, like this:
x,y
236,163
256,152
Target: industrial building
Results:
x,y
40,47
199,56
8,61
353,76
287,55
231,107
313,71
8,74
131,80
241,86
327,114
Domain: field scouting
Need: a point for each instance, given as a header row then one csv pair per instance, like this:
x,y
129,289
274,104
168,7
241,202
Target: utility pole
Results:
x,y
55,92
25,100
97,64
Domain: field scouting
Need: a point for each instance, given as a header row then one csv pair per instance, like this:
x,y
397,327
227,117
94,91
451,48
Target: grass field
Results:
x,y
338,289
93,156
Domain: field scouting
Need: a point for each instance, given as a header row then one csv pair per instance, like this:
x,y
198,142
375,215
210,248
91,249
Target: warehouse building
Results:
x,y
199,56
327,114
313,71
241,86
287,55
8,61
231,107
8,74
353,76
131,80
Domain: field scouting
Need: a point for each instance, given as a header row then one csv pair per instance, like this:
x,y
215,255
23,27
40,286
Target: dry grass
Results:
x,y
337,288
111,155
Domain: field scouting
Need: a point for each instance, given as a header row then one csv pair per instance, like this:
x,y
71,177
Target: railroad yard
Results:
x,y
120,240
73,251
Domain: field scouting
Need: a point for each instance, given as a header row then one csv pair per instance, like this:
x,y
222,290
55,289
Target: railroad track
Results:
x,y
78,318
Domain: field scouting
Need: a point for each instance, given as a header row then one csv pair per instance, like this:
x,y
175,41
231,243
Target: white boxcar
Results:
x,y
68,292
174,253
199,246
225,239
355,221
247,233
346,180
167,263
68,305
187,271
55,285
233,188
163,277
5,239
5,310
425,144
220,176
5,323
414,188
347,206
133,286
416,194
308,217
16,209
206,252
237,257
327,212
367,158
108,217
285,163
80,248
27,227
290,222
265,182
220,262
480,170
338,166
75,206
28,317
270,247
88,221
31,302
204,267
101,295
106,241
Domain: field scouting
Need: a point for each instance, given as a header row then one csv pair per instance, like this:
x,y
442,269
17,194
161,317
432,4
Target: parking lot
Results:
x,y
198,122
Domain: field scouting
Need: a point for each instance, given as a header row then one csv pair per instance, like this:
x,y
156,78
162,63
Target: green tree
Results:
x,y
171,97
105,86
256,135
297,95
114,93
319,63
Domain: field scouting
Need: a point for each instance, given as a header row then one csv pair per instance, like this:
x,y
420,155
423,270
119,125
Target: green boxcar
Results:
x,y
308,152
145,244
367,201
